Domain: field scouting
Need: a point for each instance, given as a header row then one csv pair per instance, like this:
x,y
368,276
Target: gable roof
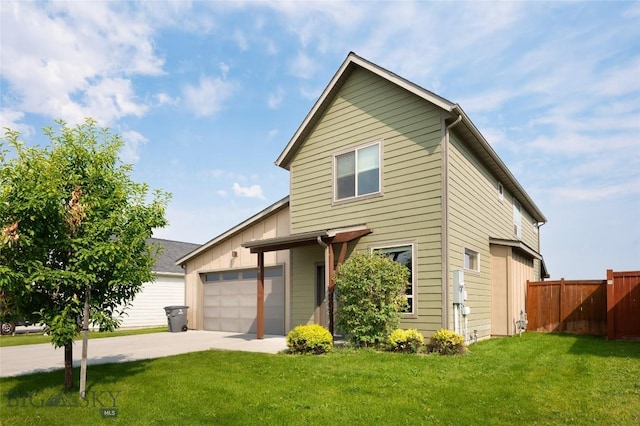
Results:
x,y
274,208
171,250
466,129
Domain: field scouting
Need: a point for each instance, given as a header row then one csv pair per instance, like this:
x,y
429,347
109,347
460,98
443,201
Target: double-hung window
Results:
x,y
357,172
403,254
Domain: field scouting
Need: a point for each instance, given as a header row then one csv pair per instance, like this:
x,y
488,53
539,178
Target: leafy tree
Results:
x,y
73,231
370,297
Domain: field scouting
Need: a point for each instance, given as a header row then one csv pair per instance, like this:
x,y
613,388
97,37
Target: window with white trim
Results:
x,y
357,172
500,192
471,260
517,219
403,254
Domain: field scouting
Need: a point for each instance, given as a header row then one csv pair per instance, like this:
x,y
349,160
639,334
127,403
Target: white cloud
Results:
x,y
597,193
133,142
11,119
164,99
241,40
275,99
302,66
224,68
311,93
272,134
71,60
253,191
221,192
207,98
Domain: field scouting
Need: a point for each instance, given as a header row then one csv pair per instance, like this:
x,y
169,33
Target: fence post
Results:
x,y
611,295
560,301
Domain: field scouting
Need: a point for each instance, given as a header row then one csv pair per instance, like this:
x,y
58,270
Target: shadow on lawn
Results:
x,y
98,376
600,346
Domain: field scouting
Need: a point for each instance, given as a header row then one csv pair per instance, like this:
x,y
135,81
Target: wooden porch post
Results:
x,y
260,304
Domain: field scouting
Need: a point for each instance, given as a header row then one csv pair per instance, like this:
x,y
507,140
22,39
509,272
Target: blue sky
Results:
x,y
207,94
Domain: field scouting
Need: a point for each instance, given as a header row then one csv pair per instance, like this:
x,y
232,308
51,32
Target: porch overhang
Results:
x,y
305,239
326,238
524,248
286,242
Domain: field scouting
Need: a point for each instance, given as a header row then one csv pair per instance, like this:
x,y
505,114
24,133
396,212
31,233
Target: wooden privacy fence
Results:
x,y
608,307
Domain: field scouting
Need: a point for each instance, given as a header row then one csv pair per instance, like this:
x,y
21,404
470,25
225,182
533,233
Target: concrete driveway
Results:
x,y
19,360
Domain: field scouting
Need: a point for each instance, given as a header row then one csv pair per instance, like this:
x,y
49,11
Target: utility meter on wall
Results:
x,y
459,290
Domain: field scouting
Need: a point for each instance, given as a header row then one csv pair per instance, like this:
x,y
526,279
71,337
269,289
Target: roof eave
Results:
x,y
522,195
273,208
334,85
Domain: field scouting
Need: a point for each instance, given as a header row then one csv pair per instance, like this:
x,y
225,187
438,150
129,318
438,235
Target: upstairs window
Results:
x,y
357,172
500,192
517,219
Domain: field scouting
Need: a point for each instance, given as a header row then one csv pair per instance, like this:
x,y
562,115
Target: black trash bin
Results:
x,y
177,318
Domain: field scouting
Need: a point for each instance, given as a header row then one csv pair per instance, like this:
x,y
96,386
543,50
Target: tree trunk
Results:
x,y
68,366
85,344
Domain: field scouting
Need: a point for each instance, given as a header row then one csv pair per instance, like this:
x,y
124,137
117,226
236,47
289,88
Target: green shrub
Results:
x,y
311,338
447,342
408,341
371,296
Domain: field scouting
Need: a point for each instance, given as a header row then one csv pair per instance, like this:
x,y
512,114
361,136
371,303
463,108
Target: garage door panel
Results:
x,y
273,288
212,324
212,311
231,305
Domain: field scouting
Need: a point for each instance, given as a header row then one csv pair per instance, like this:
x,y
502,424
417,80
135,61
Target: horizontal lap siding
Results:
x,y
476,214
369,109
303,261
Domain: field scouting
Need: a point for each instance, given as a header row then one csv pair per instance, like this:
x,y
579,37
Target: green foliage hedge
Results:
x,y
310,338
446,342
371,296
408,341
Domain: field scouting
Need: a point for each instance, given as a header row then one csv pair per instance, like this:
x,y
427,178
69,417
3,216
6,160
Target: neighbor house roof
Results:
x,y
273,208
171,250
466,129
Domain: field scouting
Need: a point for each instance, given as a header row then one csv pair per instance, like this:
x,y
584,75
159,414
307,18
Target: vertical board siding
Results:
x,y
578,307
367,109
475,214
623,305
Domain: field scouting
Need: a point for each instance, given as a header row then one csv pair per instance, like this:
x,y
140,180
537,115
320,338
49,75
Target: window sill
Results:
x,y
358,198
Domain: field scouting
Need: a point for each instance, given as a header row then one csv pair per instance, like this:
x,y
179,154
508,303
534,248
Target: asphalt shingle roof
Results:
x,y
171,251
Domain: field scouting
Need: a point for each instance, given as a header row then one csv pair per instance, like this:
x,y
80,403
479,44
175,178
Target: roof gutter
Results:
x,y
456,109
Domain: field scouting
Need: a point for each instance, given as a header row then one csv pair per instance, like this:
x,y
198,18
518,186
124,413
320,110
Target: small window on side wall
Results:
x,y
471,260
500,192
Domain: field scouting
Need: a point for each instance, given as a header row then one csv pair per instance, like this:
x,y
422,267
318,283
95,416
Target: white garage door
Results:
x,y
230,300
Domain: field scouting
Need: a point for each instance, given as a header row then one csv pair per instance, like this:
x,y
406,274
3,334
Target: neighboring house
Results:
x,y
378,164
147,308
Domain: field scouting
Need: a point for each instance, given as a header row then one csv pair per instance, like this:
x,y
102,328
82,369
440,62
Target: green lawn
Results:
x,y
32,339
535,379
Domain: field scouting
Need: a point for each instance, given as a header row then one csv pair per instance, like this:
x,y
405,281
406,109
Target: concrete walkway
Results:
x,y
18,360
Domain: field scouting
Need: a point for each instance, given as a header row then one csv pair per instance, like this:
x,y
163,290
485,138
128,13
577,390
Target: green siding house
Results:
x,y
381,164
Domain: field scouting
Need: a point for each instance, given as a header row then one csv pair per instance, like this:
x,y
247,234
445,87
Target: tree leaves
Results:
x,y
71,219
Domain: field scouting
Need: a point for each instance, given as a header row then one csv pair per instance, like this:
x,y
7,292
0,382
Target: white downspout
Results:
x,y
445,229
